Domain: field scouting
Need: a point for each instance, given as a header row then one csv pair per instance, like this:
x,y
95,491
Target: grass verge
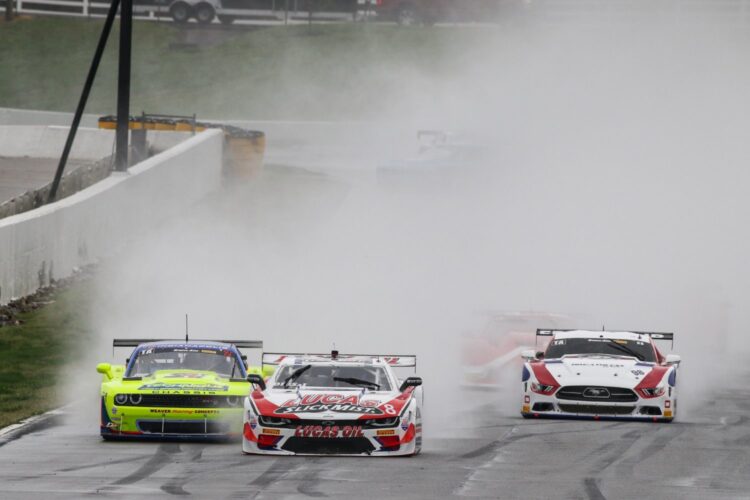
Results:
x,y
295,72
35,354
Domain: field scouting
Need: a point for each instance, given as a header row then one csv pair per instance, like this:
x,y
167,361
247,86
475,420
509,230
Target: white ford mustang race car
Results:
x,y
600,375
334,404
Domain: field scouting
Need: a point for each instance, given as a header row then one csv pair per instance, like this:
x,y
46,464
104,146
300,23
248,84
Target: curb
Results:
x,y
15,431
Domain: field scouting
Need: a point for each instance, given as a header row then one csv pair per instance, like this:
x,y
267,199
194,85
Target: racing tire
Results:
x,y
226,20
204,13
180,12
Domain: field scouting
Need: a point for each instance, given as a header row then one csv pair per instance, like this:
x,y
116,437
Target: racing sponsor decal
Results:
x,y
638,373
320,403
185,375
329,431
396,405
272,432
605,365
386,432
161,386
184,411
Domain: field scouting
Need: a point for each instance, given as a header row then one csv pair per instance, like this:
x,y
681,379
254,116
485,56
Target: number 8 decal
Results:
x,y
389,409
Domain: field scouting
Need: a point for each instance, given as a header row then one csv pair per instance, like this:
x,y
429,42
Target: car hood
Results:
x,y
330,404
180,381
598,370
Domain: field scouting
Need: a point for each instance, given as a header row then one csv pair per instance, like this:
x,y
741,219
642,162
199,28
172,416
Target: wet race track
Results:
x,y
476,445
700,458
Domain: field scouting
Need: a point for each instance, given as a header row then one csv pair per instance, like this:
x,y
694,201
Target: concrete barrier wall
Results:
x,y
11,116
47,141
53,240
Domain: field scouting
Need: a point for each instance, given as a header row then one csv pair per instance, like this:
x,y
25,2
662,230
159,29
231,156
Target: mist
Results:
x,y
611,187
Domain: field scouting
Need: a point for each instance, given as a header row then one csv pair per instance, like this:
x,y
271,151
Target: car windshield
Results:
x,y
610,347
223,362
328,376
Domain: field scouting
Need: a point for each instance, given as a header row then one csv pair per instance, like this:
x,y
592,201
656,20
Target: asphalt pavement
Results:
x,y
504,456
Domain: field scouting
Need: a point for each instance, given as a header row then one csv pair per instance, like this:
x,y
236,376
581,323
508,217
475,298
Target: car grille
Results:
x,y
585,393
183,427
323,446
186,401
365,424
597,409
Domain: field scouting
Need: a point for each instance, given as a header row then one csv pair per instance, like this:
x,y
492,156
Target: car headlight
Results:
x,y
121,399
274,421
233,400
541,388
383,422
653,392
135,399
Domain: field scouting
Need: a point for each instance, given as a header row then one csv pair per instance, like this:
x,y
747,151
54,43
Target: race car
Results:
x,y
600,375
176,389
490,357
334,404
439,153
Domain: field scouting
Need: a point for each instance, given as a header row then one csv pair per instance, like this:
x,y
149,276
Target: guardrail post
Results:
x,y
123,86
84,97
86,8
8,10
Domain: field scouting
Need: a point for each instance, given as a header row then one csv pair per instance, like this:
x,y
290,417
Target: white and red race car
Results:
x,y
600,375
318,404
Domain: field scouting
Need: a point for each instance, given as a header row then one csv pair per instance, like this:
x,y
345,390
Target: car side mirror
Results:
x,y
410,382
528,354
532,355
256,379
105,369
673,359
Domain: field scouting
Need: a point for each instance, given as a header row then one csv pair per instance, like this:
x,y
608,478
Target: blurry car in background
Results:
x,y
490,357
438,153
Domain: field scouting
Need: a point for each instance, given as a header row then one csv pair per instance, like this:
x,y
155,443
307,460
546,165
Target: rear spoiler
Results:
x,y
395,360
541,332
240,344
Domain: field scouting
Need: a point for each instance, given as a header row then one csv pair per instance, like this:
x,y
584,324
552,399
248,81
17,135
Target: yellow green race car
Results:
x,y
176,389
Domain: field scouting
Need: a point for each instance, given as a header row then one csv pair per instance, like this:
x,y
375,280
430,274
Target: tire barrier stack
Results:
x,y
243,149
